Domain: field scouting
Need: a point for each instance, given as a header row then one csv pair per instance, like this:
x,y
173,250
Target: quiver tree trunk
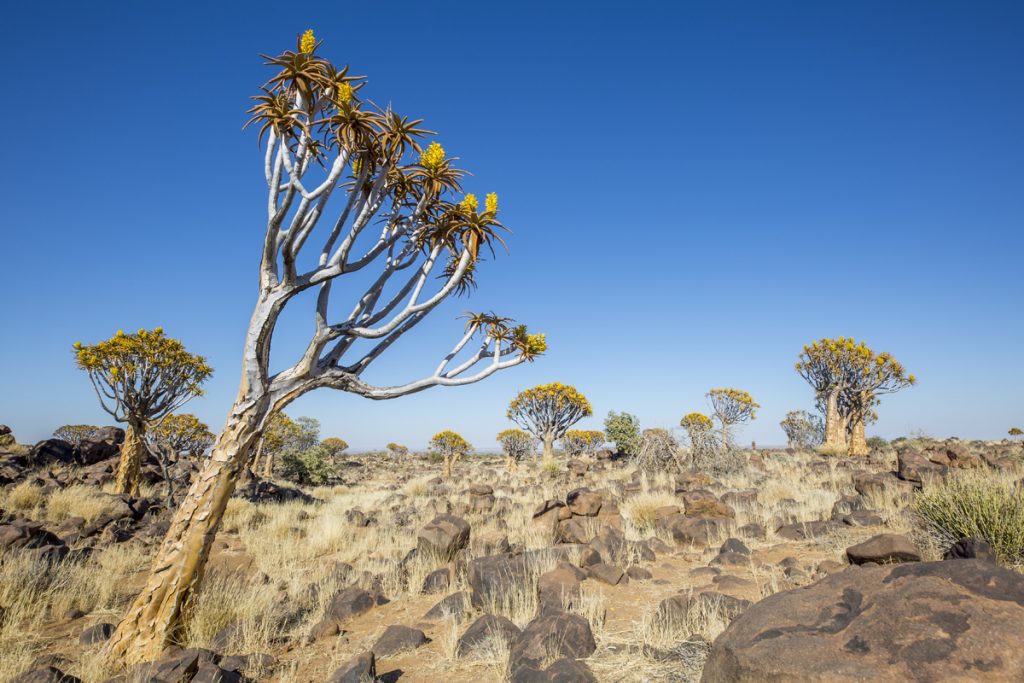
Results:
x,y
129,466
268,465
512,464
725,436
154,619
835,425
858,444
549,447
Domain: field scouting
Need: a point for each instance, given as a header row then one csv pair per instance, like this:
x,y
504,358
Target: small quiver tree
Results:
x,y
547,411
140,378
516,445
804,430
450,446
397,450
703,445
731,407
659,451
1015,432
76,434
334,446
283,434
177,436
577,442
623,430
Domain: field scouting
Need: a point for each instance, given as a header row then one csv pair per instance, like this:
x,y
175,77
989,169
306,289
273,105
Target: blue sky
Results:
x,y
695,189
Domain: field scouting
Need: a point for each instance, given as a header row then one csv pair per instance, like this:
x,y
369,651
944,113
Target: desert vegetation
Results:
x,y
261,549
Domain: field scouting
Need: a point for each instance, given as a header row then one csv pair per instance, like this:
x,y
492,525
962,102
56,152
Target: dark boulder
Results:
x,y
958,620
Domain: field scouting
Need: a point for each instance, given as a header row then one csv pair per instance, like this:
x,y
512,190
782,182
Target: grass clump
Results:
x,y
979,504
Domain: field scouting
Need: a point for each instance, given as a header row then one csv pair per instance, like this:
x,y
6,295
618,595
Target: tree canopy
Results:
x,y
548,410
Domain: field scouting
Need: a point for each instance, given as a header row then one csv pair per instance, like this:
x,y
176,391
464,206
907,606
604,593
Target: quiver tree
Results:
x,y
547,411
703,445
847,378
804,430
351,192
450,446
397,450
282,434
140,378
176,436
731,407
623,430
1015,431
516,445
334,446
578,442
76,434
882,374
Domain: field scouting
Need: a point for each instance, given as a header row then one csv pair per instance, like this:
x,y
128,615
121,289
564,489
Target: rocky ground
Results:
x,y
794,567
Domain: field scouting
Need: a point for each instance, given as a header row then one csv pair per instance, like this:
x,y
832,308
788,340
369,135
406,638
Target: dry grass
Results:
x,y
23,497
78,501
35,594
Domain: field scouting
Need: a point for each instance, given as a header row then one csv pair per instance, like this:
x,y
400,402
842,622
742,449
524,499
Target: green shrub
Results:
x,y
977,503
623,430
310,467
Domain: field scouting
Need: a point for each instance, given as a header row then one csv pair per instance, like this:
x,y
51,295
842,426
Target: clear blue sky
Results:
x,y
696,190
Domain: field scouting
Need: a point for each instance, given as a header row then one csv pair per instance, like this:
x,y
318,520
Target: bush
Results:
x,y
976,503
623,430
877,443
311,467
659,451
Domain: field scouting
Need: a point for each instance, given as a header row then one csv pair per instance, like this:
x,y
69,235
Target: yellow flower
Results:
x,y
470,203
343,93
433,156
308,42
491,203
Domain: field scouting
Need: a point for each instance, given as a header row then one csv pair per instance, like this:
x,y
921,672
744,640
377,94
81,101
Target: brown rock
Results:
x,y
883,548
956,620
443,537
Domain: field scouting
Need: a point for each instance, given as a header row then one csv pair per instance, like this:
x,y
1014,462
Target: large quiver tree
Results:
x,y
140,378
547,411
847,378
350,190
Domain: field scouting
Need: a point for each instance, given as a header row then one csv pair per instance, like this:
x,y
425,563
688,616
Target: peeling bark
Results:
x,y
835,425
153,620
129,466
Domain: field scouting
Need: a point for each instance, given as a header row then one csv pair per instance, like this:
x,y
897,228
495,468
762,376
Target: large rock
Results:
x,y
487,627
443,537
884,548
551,635
398,638
915,468
106,444
957,620
51,451
348,603
583,502
359,669
495,578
